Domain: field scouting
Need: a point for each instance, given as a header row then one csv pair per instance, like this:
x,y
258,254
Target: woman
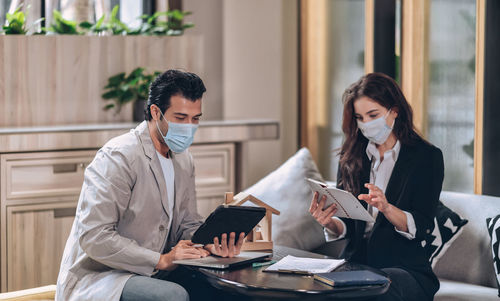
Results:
x,y
397,175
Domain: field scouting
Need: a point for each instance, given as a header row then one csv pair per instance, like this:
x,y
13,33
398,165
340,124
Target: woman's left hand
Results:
x,y
375,198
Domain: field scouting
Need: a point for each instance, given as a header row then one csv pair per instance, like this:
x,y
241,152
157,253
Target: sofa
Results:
x,y
465,268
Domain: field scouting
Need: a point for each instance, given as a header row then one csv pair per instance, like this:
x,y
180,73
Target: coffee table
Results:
x,y
253,282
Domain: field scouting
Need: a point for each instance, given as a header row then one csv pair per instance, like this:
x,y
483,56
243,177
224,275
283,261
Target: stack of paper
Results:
x,y
301,265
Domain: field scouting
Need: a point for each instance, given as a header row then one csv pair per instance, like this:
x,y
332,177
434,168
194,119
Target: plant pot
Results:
x,y
139,108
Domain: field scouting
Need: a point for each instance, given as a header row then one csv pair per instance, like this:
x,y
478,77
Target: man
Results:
x,y
137,208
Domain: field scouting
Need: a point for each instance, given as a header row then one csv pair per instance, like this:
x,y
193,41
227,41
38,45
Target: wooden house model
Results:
x,y
261,236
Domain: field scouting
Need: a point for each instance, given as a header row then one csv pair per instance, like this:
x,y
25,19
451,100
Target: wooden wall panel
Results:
x,y
56,80
313,73
415,58
479,107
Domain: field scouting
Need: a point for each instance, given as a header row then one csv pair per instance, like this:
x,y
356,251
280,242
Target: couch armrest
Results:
x,y
39,293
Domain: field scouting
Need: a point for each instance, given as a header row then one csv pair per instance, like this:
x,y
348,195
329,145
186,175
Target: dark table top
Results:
x,y
252,281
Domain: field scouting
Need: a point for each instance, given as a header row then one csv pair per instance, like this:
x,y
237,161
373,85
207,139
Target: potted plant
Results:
x,y
16,22
122,88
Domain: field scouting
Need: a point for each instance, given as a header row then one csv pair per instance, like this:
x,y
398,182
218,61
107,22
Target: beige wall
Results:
x,y
207,17
260,75
251,61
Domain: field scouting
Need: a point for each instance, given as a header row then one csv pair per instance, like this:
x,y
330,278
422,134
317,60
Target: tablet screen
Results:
x,y
227,219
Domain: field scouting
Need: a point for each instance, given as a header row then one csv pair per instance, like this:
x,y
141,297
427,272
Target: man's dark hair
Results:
x,y
170,83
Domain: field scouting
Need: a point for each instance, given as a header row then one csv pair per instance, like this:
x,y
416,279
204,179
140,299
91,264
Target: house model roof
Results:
x,y
244,197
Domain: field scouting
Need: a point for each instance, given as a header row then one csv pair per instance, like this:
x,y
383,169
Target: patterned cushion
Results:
x,y
494,231
447,227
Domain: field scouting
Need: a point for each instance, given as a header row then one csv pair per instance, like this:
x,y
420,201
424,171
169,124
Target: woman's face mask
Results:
x,y
179,135
376,130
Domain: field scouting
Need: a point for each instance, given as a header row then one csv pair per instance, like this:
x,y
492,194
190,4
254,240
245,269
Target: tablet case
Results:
x,y
227,219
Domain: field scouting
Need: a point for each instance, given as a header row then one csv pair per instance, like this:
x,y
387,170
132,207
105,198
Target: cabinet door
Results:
x,y
215,174
36,236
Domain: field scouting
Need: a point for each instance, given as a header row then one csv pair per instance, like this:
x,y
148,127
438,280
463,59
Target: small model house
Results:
x,y
261,236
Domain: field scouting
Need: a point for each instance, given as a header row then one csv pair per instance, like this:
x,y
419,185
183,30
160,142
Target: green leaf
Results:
x,y
116,79
110,94
136,72
100,21
86,25
109,106
114,12
177,15
61,25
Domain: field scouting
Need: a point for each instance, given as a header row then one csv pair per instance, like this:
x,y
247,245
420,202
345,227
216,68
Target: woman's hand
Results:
x,y
324,217
183,250
375,198
225,248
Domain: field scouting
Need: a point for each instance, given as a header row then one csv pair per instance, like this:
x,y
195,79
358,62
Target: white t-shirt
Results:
x,y
169,174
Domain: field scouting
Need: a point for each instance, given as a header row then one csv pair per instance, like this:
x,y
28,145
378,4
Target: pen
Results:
x,y
259,264
295,272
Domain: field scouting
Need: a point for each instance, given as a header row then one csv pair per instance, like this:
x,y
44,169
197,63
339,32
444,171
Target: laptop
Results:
x,y
221,263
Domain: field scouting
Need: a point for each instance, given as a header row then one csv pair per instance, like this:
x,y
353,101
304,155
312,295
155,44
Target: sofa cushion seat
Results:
x,y
461,291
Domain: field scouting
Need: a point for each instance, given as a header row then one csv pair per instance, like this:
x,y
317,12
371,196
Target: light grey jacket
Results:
x,y
121,221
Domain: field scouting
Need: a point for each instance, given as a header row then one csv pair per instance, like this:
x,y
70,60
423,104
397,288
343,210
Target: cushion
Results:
x,y
473,243
39,293
286,190
447,227
494,231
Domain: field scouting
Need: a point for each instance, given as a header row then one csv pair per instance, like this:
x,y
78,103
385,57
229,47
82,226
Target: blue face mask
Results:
x,y
179,135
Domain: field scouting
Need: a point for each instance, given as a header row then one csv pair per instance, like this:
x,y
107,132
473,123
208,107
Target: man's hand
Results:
x,y
183,250
225,248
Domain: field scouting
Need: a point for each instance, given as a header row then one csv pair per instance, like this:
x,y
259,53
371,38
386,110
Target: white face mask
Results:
x,y
376,130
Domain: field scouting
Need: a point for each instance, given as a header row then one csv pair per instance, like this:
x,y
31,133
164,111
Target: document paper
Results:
x,y
347,205
301,265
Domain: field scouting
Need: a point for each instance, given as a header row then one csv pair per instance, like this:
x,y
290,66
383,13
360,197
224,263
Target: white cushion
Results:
x,y
286,190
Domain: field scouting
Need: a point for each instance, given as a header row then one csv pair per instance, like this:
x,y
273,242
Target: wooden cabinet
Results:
x,y
39,194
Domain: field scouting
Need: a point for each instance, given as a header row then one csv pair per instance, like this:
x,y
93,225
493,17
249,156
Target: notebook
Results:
x,y
306,266
347,205
214,262
351,278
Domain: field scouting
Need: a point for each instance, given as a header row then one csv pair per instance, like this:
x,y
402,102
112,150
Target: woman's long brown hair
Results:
x,y
385,91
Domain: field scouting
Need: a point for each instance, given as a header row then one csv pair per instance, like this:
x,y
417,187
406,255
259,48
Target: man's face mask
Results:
x,y
376,130
179,135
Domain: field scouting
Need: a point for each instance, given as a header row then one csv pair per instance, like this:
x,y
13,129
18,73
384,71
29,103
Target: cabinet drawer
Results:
x,y
214,167
35,236
43,174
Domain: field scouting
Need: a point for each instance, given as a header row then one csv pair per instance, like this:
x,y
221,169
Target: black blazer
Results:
x,y
414,186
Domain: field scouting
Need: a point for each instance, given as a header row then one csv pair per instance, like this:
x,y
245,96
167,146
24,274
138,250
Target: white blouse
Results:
x,y
380,174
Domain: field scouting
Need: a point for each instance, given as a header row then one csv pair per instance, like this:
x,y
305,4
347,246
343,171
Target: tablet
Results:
x,y
227,219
